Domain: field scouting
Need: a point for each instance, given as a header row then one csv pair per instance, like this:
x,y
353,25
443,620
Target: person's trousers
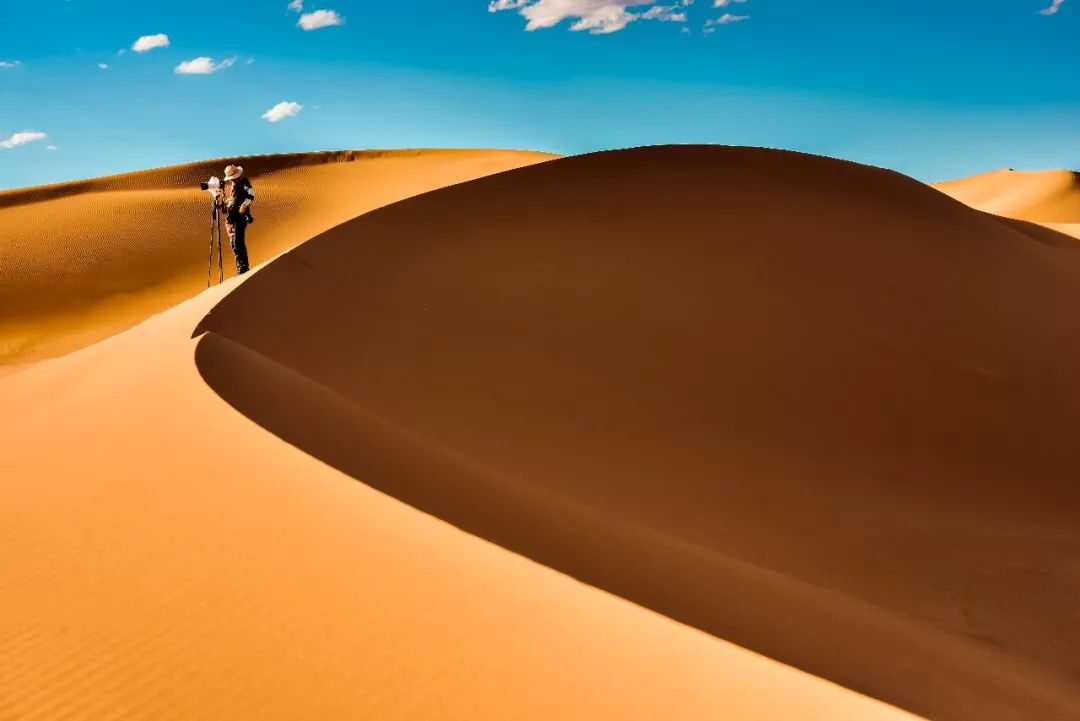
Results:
x,y
239,246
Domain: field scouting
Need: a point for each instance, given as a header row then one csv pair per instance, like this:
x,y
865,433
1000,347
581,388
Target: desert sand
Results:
x,y
678,432
1048,197
80,261
1045,196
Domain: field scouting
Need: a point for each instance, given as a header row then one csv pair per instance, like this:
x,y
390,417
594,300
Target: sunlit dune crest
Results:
x,y
1044,196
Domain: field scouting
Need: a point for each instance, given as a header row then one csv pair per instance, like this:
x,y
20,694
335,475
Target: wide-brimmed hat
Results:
x,y
233,172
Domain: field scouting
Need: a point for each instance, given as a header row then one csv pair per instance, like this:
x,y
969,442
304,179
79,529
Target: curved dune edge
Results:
x,y
813,408
84,260
171,559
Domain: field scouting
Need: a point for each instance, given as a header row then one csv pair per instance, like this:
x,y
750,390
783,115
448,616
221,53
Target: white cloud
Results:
x,y
203,66
725,3
51,147
1055,5
666,13
8,64
148,42
27,136
598,17
103,66
282,110
297,6
320,19
726,19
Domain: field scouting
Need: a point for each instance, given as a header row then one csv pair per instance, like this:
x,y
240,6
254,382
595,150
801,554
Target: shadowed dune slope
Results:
x,y
80,261
811,407
1045,196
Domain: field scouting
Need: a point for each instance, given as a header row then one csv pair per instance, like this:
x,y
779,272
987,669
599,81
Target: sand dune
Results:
x,y
812,408
80,261
1047,196
815,408
163,557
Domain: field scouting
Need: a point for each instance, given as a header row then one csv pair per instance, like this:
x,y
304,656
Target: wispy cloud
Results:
x,y
726,19
665,13
27,136
598,17
146,43
51,147
8,64
320,19
1055,5
297,6
203,66
282,110
103,66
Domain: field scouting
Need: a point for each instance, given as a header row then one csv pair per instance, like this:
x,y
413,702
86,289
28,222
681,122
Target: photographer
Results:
x,y
238,214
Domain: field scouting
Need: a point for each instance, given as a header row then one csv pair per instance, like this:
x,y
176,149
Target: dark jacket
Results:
x,y
242,191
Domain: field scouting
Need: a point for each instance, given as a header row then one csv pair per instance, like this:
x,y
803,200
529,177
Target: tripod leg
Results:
x,y
210,263
220,266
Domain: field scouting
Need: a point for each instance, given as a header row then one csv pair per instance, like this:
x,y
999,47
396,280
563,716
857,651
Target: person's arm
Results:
x,y
248,195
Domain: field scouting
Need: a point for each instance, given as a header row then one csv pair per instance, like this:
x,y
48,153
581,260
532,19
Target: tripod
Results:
x,y
216,210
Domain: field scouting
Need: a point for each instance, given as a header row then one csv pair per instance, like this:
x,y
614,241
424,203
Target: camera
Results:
x,y
212,186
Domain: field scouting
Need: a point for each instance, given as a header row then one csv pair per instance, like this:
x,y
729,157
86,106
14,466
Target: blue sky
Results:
x,y
933,89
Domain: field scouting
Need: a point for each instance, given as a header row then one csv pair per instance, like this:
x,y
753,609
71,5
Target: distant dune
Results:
x,y
80,261
1047,196
574,441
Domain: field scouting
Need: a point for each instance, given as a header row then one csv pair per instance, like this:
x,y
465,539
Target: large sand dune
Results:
x,y
815,408
80,261
164,557
812,408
